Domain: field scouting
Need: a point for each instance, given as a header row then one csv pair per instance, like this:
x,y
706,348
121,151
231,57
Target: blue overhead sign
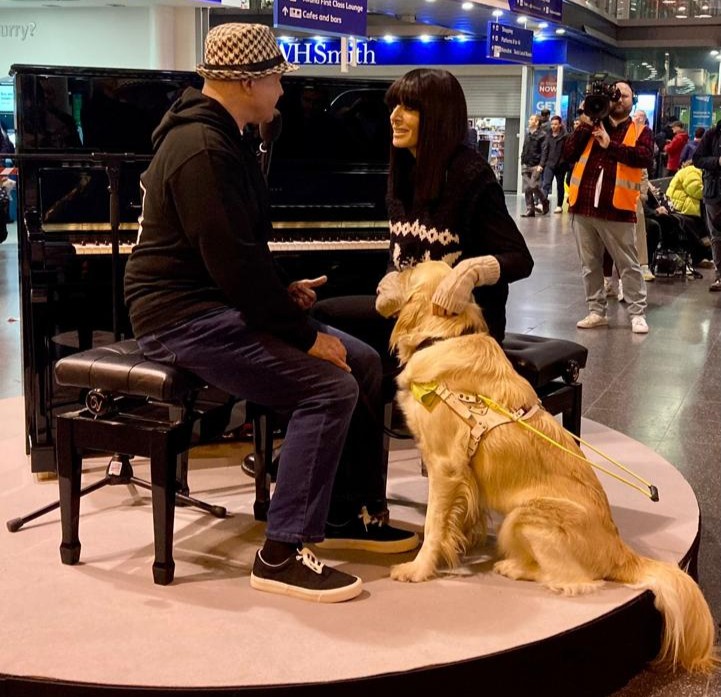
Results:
x,y
550,10
337,17
509,43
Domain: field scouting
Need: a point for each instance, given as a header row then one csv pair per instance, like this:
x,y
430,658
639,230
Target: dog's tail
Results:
x,y
688,634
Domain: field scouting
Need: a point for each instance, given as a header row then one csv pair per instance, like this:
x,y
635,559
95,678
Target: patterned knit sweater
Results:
x,y
469,219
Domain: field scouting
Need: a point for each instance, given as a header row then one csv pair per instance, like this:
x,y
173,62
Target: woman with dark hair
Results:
x,y
444,201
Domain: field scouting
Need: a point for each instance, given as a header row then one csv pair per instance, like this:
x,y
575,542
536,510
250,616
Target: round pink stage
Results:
x,y
103,627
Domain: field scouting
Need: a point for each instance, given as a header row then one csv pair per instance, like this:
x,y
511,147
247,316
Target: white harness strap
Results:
x,y
480,418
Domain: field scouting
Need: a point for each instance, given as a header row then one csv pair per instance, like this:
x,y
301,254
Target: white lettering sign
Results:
x,y
307,53
18,31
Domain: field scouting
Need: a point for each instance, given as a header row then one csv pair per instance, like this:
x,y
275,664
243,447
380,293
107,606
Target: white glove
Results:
x,y
454,291
389,295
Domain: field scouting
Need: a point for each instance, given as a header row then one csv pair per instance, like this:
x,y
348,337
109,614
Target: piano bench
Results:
x,y
552,366
134,407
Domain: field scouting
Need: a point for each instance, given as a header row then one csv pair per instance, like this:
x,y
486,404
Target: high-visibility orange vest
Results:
x,y
628,179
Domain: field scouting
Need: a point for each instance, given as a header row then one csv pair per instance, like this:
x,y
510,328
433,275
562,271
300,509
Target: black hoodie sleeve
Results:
x,y
220,199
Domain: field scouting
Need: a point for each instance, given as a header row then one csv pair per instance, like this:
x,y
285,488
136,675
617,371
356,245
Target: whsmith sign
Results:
x,y
310,53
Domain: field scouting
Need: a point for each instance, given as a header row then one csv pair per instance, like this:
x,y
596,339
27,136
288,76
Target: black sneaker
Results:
x,y
303,576
715,287
369,533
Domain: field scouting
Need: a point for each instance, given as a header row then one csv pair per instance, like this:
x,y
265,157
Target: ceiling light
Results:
x,y
389,38
425,38
467,6
522,19
560,31
497,13
543,25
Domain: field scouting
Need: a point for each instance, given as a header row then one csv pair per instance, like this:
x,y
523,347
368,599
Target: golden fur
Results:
x,y
557,528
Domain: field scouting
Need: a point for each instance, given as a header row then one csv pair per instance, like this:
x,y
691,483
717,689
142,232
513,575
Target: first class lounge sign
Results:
x,y
337,17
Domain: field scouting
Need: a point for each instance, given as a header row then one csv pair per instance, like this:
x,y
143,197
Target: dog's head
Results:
x,y
407,296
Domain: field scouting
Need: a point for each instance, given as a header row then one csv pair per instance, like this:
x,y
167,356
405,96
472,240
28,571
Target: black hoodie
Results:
x,y
204,230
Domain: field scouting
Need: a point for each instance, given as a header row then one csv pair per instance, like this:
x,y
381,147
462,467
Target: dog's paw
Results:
x,y
411,572
572,588
510,568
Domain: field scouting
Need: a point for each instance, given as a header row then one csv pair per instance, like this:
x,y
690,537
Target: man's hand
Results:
x,y
329,348
662,210
302,292
601,136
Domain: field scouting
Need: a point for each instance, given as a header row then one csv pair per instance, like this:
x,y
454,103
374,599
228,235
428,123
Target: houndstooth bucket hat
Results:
x,y
237,51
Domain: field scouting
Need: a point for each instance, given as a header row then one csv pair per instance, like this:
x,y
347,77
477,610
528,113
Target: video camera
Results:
x,y
597,102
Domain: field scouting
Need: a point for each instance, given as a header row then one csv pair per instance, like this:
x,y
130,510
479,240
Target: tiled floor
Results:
x,y
663,388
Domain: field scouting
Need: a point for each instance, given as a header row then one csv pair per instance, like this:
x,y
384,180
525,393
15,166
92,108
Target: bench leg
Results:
x,y
572,415
69,464
263,446
162,474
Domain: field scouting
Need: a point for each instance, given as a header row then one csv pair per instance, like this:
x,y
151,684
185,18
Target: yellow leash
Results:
x,y
421,393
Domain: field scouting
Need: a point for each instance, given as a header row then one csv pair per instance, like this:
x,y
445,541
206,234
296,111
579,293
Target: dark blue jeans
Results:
x,y
332,456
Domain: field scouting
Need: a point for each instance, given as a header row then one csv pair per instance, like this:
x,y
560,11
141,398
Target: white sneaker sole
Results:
x,y
336,595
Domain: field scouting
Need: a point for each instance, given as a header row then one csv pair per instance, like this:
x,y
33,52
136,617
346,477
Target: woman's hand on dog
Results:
x,y
329,348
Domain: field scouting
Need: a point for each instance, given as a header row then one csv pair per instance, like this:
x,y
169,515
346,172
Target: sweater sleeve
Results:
x,y
219,207
494,232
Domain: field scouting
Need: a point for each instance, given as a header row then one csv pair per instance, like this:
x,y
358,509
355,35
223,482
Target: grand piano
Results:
x,y
83,138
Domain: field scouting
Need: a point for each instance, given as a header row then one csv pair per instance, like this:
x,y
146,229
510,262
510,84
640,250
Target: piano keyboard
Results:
x,y
287,246
101,248
326,245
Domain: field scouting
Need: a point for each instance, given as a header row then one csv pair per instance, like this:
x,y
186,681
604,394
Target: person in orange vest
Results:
x,y
610,156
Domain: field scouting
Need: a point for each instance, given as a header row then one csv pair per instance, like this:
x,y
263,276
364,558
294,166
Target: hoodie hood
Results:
x,y
192,107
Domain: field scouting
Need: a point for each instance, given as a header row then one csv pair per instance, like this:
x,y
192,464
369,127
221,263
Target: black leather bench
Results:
x,y
135,407
553,368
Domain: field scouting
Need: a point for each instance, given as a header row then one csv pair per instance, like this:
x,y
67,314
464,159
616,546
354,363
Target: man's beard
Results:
x,y
618,111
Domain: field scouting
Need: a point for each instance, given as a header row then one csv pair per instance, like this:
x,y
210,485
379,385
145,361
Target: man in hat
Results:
x,y
204,294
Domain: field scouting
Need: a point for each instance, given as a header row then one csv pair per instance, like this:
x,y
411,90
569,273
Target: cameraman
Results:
x,y
610,152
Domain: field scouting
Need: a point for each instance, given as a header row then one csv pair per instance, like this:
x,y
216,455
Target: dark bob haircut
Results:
x,y
443,127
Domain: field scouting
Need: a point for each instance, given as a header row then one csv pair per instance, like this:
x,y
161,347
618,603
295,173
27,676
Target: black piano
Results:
x,y
83,138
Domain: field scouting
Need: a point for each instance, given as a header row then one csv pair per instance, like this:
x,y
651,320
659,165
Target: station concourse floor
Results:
x,y
662,389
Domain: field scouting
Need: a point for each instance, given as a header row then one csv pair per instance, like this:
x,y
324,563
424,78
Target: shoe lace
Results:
x,y
369,519
307,558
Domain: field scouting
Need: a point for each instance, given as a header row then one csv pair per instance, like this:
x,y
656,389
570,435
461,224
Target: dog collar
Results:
x,y
429,341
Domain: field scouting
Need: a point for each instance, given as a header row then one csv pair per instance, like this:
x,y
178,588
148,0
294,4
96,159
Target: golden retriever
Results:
x,y
557,527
